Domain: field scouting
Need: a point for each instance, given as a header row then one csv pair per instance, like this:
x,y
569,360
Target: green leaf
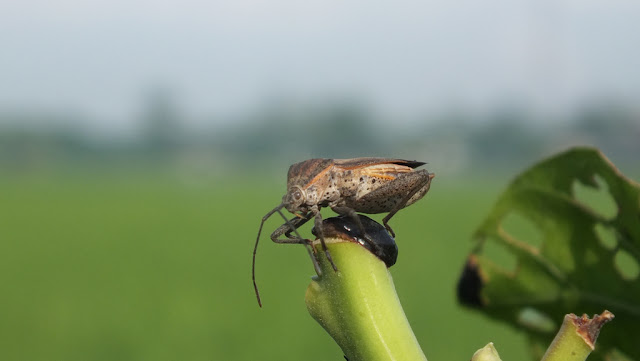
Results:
x,y
572,249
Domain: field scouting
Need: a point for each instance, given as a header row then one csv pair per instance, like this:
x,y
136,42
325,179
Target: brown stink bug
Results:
x,y
347,186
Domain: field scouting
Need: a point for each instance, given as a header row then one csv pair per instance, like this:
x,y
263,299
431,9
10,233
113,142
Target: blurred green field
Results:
x,y
147,267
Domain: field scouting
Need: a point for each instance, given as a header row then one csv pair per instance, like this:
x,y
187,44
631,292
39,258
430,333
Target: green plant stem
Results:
x,y
359,307
487,353
576,338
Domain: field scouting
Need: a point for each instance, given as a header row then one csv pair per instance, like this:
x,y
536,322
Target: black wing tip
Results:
x,y
364,161
413,163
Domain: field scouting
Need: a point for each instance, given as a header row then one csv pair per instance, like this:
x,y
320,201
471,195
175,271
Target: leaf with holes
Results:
x,y
553,245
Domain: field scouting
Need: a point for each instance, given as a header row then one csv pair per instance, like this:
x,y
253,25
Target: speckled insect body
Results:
x,y
347,186
367,185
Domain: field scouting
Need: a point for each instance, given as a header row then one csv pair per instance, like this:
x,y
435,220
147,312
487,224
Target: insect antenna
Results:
x,y
255,248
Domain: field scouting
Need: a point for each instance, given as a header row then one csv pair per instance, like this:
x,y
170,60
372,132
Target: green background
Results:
x,y
146,266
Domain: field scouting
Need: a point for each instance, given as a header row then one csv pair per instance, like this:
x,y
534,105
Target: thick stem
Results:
x,y
576,338
359,307
487,353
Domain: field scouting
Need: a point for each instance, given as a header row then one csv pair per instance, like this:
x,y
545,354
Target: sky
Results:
x,y
101,58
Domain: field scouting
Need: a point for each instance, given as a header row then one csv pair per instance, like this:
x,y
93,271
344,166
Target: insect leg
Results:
x,y
421,184
318,226
289,226
292,225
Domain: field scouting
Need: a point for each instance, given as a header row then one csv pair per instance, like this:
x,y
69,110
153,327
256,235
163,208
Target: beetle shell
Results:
x,y
344,227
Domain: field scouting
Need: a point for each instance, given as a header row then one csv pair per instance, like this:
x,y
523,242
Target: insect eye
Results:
x,y
297,195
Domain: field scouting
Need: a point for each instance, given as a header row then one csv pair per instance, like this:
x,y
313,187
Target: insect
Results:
x,y
347,186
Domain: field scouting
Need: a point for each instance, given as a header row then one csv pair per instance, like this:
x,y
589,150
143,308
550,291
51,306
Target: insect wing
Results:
x,y
304,173
380,168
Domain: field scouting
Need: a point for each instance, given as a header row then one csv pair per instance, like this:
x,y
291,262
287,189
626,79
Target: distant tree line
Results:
x,y
285,133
